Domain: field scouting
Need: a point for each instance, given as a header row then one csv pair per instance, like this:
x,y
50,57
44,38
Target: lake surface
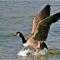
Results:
x,y
17,15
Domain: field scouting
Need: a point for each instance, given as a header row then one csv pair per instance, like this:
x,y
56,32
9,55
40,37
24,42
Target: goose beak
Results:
x,y
17,34
14,35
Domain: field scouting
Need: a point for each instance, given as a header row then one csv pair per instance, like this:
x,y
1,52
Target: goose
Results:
x,y
44,13
40,29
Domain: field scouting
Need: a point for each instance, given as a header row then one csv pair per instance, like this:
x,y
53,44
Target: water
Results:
x,y
17,15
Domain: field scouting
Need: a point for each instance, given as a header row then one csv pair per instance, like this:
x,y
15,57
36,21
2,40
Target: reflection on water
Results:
x,y
17,15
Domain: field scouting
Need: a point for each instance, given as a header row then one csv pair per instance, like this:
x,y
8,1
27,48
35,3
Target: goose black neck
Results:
x,y
23,39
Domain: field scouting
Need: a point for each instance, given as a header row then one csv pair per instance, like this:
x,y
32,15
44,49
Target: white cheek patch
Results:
x,y
17,35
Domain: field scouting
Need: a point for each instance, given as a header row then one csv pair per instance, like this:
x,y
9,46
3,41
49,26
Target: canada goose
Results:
x,y
44,13
40,28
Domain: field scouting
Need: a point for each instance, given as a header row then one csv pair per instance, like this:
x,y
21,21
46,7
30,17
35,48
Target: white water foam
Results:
x,y
27,52
24,52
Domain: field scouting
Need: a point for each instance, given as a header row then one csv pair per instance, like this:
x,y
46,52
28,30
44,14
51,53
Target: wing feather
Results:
x,y
44,13
43,27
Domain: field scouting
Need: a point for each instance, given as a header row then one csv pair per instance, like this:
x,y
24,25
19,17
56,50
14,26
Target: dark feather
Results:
x,y
44,13
44,25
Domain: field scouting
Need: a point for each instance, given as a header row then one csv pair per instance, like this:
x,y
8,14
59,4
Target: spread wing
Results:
x,y
44,13
41,32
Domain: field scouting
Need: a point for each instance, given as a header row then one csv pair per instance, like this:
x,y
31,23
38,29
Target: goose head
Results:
x,y
24,41
18,34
